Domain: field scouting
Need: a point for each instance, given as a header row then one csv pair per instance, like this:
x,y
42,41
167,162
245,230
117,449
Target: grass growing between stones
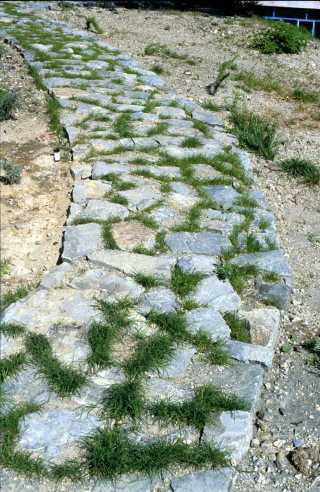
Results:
x,y
237,275
106,225
12,296
158,129
302,168
122,125
191,143
62,379
147,281
239,328
207,401
103,334
124,399
183,283
109,453
11,365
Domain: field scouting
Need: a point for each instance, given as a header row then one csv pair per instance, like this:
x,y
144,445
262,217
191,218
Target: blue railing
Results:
x,y
297,20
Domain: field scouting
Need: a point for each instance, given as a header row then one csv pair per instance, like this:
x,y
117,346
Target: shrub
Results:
x,y
9,173
303,168
255,132
8,101
281,38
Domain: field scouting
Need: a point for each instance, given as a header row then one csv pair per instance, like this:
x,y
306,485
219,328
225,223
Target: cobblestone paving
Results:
x,y
167,229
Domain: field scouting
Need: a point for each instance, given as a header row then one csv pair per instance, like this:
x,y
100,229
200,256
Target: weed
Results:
x,y
123,399
207,401
158,49
254,82
12,296
9,173
223,73
117,198
282,37
264,224
11,330
183,283
158,69
4,267
149,105
191,142
8,101
122,125
236,274
202,127
210,105
159,129
305,96
313,346
240,329
11,365
255,132
147,281
62,379
160,245
303,168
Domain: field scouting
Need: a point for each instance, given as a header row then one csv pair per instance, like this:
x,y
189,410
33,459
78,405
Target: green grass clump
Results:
x,y
9,173
255,132
147,281
123,399
302,168
11,329
159,129
151,353
191,142
122,125
158,49
4,267
101,335
240,329
53,110
11,365
158,69
117,198
8,102
251,81
210,105
183,283
306,96
282,37
12,296
62,379
236,274
109,453
199,411
107,236
202,127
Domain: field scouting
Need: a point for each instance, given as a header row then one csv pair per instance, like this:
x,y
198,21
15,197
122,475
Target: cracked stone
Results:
x,y
81,240
198,242
112,285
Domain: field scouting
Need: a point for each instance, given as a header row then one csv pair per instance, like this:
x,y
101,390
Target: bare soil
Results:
x,y
33,211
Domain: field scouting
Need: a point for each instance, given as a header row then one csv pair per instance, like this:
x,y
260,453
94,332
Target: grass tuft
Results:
x,y
183,283
236,274
240,329
12,296
147,281
122,125
191,142
122,400
8,102
303,168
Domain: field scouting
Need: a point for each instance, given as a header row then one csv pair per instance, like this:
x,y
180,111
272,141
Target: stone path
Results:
x,y
169,250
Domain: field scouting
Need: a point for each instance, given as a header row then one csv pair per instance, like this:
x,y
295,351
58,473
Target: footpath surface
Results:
x,y
137,363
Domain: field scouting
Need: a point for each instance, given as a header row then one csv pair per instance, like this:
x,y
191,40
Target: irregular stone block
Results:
x,y
232,432
141,198
160,389
26,386
166,217
204,171
170,112
54,435
264,325
180,202
197,242
206,481
129,235
131,263
223,195
158,299
248,352
269,261
278,293
208,321
112,285
81,240
206,117
104,210
222,222
179,363
217,294
55,277
198,264
89,190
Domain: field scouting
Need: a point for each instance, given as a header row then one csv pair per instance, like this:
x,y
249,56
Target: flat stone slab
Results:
x,y
198,264
209,321
232,432
206,481
166,216
158,299
81,240
161,389
131,263
223,195
217,294
54,435
104,210
206,117
129,235
248,352
204,171
89,190
264,325
270,261
179,363
223,222
206,243
111,284
180,202
141,198
43,308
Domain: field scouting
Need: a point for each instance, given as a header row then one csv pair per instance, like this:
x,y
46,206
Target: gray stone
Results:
x,y
183,189
54,435
207,150
88,190
223,195
141,198
232,432
247,352
170,112
179,363
206,481
158,299
160,389
130,235
26,386
278,293
197,242
204,171
104,210
269,261
223,222
81,240
198,264
55,277
264,325
180,202
206,117
44,308
168,171
209,321
131,263
166,217
217,294
112,285
264,239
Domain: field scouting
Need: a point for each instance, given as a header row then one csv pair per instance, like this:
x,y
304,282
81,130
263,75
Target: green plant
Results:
x,y
281,38
158,49
158,69
122,125
210,105
12,296
4,267
8,101
255,132
93,25
191,142
147,281
236,274
9,173
251,81
313,346
303,168
184,283
240,329
305,96
224,71
123,399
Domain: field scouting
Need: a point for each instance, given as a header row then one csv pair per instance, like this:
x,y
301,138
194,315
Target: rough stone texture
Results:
x,y
178,365
248,352
198,264
223,195
140,199
158,299
129,235
54,434
132,263
198,242
160,389
89,190
166,217
207,481
217,294
111,284
104,210
81,240
233,432
277,294
209,321
270,261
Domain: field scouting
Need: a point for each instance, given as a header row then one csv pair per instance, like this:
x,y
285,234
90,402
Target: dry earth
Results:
x,y
290,411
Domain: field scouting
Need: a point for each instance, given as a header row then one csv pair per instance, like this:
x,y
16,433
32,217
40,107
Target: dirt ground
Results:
x,y
33,211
